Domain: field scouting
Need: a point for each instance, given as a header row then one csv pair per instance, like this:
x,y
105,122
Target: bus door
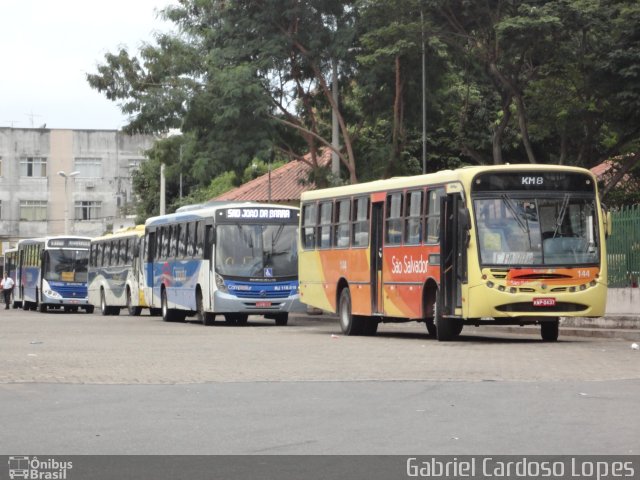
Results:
x,y
454,234
377,227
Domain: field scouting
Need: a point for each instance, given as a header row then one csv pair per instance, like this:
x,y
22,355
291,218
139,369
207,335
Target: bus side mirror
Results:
x,y
608,222
465,225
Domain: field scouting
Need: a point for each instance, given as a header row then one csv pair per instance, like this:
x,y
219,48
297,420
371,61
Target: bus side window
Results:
x,y
208,241
309,219
182,243
342,223
393,225
413,218
433,215
191,239
360,226
324,228
200,239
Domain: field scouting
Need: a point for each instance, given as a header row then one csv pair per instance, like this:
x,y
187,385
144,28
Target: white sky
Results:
x,y
48,47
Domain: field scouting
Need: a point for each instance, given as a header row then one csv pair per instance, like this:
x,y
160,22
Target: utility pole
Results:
x,y
66,176
424,98
162,190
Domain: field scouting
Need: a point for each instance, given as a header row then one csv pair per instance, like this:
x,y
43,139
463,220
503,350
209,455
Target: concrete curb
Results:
x,y
618,327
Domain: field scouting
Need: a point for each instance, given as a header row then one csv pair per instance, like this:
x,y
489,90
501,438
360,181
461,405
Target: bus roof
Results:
x,y
208,210
463,175
135,231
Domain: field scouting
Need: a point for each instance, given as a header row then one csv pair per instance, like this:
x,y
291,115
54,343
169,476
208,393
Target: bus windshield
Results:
x,y
518,230
257,251
66,265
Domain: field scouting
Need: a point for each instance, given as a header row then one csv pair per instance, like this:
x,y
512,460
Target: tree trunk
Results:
x,y
496,138
397,121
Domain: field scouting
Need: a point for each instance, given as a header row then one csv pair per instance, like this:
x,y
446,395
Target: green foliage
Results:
x,y
514,81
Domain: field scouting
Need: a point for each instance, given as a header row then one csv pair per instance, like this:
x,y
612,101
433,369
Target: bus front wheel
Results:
x,y
133,311
282,319
549,330
446,328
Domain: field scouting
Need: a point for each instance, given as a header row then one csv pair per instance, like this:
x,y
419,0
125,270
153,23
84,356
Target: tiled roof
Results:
x,y
287,183
602,168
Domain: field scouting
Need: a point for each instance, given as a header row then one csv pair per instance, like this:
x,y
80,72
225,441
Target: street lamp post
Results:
x,y
66,198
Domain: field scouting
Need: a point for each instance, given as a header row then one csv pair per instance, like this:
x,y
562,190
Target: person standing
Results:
x,y
7,287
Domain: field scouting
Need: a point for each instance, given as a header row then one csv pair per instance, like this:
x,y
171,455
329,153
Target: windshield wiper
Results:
x,y
561,214
524,224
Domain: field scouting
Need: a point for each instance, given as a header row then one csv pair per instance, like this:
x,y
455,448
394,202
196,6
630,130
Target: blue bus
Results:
x,y
52,273
116,273
233,259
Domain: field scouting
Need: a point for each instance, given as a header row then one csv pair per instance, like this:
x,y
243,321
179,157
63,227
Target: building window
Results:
x,y
134,164
33,210
88,167
33,167
88,210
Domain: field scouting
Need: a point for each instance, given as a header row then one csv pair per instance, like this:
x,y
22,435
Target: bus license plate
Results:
x,y
263,304
544,302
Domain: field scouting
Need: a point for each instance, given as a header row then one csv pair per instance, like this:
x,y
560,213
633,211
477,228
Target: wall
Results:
x,y
623,301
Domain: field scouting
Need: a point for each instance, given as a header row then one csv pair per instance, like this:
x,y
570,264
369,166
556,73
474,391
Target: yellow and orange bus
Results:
x,y
510,244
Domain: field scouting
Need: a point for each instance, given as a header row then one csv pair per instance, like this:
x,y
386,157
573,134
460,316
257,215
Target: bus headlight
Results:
x,y
220,284
52,294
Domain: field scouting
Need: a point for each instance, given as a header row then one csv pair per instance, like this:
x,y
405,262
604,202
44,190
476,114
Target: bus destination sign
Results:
x,y
256,214
533,180
68,243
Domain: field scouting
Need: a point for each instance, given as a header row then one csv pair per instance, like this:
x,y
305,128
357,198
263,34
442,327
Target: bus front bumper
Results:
x,y
228,303
483,301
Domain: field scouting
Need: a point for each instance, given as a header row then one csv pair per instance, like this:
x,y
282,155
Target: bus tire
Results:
x,y
236,318
369,326
282,319
208,319
104,309
549,330
133,311
25,305
42,308
350,324
446,328
431,328
199,314
89,308
167,314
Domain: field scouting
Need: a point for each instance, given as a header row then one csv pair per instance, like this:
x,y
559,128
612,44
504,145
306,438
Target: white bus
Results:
x,y
233,259
52,273
116,273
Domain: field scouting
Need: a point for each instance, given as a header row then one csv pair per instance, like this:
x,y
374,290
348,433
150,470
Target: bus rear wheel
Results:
x,y
133,311
349,324
549,330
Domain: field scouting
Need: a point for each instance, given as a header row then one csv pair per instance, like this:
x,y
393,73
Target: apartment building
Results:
x,y
56,181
